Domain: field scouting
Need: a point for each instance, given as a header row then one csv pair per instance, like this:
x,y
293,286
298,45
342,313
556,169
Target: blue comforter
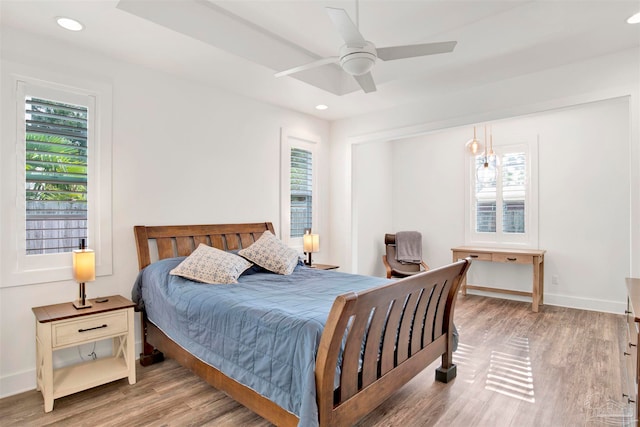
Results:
x,y
263,332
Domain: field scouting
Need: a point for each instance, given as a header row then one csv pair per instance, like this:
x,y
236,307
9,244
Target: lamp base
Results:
x,y
78,304
82,301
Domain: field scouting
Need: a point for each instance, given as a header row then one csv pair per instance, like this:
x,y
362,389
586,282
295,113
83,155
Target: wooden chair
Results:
x,y
395,268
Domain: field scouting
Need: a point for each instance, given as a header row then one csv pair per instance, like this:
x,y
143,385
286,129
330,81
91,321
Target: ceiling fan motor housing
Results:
x,y
358,60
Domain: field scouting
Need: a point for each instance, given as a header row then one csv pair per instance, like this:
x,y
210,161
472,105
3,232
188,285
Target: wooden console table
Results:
x,y
534,257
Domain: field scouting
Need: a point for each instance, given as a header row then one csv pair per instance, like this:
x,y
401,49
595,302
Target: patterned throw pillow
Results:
x,y
211,265
270,253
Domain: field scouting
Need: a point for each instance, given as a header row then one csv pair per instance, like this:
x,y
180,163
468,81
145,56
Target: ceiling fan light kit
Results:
x,y
358,60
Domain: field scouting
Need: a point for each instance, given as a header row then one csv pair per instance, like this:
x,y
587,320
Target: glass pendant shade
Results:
x,y
486,172
474,146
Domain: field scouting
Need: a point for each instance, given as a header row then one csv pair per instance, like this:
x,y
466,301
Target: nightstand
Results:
x,y
60,326
324,266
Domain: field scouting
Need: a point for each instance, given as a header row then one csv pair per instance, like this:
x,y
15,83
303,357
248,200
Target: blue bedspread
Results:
x,y
263,332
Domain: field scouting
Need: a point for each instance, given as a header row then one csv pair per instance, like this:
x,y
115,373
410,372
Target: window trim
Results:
x,y
17,267
529,239
296,139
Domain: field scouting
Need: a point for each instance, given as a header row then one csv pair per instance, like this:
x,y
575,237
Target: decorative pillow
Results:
x,y
269,252
211,265
255,268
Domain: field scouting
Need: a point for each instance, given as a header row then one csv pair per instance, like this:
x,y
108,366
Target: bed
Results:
x,y
365,337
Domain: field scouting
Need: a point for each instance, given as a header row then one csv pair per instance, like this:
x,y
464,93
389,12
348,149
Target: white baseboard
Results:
x,y
17,383
589,304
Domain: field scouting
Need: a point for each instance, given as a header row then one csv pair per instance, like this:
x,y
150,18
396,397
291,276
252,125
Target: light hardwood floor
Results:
x,y
558,367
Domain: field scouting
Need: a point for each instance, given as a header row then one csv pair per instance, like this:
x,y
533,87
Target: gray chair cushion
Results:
x,y
397,267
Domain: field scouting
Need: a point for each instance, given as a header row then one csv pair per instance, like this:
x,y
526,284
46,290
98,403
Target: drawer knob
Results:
x,y
627,312
473,256
626,354
512,259
631,345
91,329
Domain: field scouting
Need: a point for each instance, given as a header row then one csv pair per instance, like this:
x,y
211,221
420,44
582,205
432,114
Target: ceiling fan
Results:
x,y
358,56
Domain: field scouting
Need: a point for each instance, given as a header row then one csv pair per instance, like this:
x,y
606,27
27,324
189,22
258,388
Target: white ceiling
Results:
x,y
239,45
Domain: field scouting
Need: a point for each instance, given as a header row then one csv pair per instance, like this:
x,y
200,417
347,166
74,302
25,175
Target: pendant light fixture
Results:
x,y
474,146
486,173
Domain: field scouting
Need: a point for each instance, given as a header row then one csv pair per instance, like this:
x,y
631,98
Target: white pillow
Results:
x,y
211,265
270,253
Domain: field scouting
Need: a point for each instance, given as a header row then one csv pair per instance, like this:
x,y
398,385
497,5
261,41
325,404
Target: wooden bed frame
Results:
x,y
410,324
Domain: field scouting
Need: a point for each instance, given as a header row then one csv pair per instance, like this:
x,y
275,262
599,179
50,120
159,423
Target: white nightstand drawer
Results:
x,y
90,328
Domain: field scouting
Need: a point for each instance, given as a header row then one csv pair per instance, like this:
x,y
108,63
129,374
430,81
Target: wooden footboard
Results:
x,y
392,333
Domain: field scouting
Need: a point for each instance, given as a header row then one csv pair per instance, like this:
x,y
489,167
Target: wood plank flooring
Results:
x,y
558,367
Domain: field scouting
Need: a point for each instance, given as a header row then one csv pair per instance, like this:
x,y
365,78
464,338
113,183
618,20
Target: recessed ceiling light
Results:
x,y
69,24
321,107
635,19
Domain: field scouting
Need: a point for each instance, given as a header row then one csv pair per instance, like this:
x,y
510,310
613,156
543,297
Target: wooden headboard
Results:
x,y
168,241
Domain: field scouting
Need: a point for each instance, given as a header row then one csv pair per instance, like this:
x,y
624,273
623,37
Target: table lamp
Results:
x,y
84,270
310,243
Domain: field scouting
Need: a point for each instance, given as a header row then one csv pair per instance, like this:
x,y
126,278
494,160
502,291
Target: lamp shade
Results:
x,y
84,265
311,242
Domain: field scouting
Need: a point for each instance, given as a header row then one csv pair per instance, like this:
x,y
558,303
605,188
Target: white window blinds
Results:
x,y
301,191
56,175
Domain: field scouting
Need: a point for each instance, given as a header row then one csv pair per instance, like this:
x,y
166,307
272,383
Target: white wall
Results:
x,y
611,76
428,191
372,202
182,153
583,200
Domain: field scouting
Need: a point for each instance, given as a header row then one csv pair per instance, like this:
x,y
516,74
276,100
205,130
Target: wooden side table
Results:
x,y
324,266
62,325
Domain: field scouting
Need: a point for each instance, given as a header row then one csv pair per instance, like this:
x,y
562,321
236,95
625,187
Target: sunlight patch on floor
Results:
x,y
510,373
463,357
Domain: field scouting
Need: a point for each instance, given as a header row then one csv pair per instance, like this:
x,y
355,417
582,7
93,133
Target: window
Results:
x,y
301,183
502,199
57,173
298,186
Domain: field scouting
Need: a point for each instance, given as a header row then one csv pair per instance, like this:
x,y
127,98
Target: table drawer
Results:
x,y
89,328
513,258
474,255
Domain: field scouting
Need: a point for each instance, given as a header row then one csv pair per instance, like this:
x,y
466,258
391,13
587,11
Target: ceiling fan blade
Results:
x,y
314,64
346,27
366,82
410,51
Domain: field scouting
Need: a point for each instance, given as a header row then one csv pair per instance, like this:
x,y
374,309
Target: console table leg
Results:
x,y
537,284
